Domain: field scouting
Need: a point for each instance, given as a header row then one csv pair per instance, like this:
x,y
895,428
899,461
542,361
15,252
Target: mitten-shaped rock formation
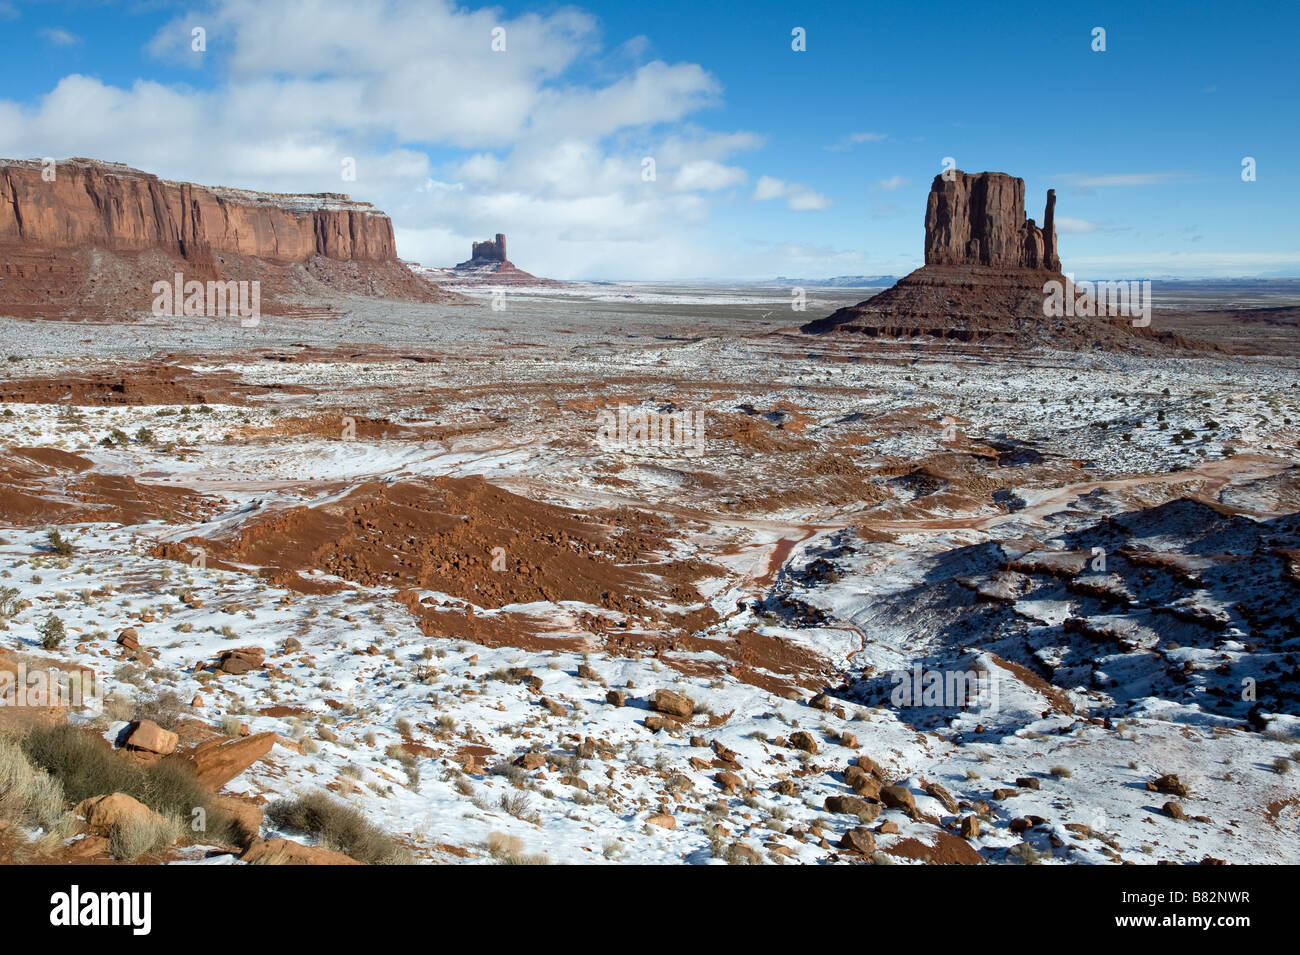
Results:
x,y
979,219
985,269
78,237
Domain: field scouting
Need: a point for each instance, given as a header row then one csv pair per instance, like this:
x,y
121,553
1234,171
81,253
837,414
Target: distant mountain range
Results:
x,y
840,281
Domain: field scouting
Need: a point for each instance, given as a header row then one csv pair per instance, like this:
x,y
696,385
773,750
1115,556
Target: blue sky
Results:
x,y
768,161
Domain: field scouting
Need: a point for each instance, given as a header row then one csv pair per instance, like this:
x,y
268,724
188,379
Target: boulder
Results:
x,y
217,762
941,794
288,852
531,761
803,740
148,735
853,806
103,814
858,840
899,797
236,662
672,703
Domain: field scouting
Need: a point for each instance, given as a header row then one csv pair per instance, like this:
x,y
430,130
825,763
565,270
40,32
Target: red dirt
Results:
x,y
448,534
49,486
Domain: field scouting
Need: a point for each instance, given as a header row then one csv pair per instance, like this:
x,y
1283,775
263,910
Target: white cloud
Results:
x,y
709,175
806,200
60,37
1122,179
797,196
892,183
454,141
769,188
854,139
1075,226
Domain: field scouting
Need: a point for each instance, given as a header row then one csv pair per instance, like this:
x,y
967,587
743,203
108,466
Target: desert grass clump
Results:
x,y
1060,772
132,838
28,796
85,767
518,805
165,707
339,827
509,850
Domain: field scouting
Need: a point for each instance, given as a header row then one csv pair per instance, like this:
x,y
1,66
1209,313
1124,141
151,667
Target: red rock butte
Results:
x,y
67,227
986,265
488,264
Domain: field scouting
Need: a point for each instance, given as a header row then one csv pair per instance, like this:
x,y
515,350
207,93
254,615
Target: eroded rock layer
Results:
x,y
88,239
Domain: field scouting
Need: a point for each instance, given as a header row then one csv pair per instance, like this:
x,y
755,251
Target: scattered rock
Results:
x,y
662,820
1173,810
217,762
241,660
148,735
803,740
938,792
531,761
673,704
288,852
105,813
859,840
728,781
899,797
1169,784
853,806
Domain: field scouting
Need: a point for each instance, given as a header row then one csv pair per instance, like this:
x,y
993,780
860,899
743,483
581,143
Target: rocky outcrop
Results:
x,y
488,265
113,207
979,219
986,272
491,252
87,239
216,762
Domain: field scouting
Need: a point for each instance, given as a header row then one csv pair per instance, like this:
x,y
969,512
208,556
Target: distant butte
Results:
x,y
488,264
986,265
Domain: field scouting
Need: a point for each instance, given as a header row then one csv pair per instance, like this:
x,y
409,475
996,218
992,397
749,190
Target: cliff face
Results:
x,y
979,219
113,207
90,243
